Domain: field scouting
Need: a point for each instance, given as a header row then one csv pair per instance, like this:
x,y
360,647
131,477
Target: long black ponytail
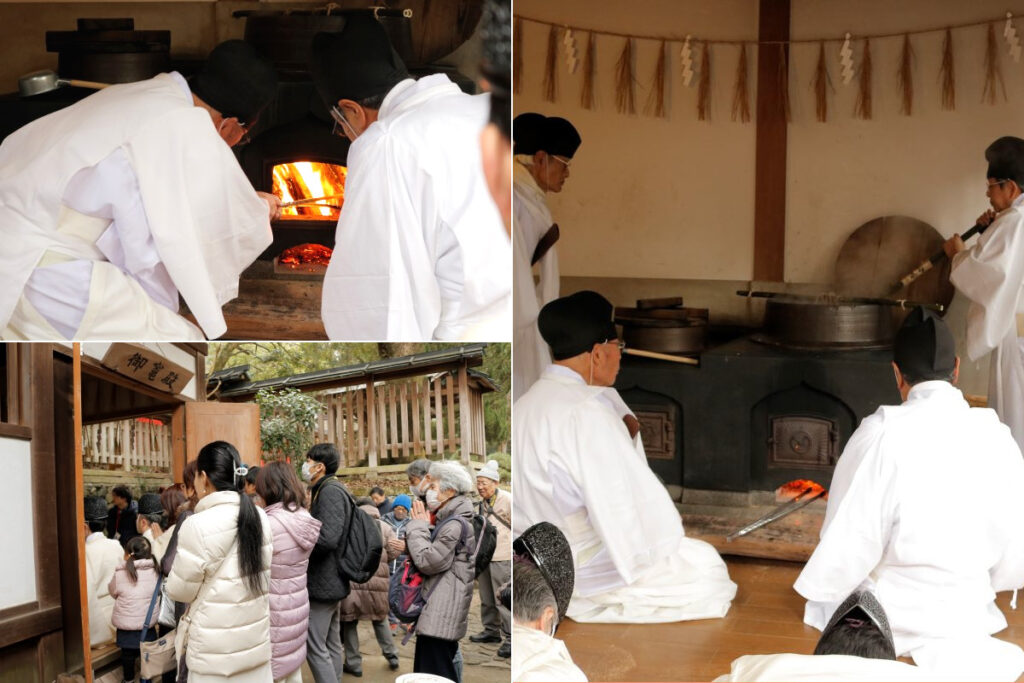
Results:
x,y
223,467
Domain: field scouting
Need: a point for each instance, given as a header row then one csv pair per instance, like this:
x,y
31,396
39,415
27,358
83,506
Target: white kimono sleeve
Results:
x,y
381,284
859,520
990,274
626,504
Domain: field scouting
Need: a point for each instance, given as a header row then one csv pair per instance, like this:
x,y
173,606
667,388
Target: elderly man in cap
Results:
x,y
149,522
577,466
991,275
892,527
856,645
496,507
541,587
421,252
102,555
113,207
544,148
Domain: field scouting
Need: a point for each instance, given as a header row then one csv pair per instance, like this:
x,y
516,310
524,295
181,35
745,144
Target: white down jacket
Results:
x,y
229,633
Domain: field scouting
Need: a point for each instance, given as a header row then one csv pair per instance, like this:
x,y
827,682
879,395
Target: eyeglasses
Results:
x,y
340,122
618,342
997,183
566,162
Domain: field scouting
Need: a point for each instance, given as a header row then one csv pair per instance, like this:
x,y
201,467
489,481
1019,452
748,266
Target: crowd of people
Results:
x,y
252,572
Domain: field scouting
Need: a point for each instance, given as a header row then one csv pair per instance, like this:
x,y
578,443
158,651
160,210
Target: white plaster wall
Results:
x,y
18,570
651,197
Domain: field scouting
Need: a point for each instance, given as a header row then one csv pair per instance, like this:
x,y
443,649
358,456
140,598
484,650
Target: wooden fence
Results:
x,y
127,445
401,419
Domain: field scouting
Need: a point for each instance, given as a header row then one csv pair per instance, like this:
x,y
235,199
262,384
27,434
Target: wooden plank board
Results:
x,y
449,382
371,423
428,432
438,415
347,425
403,416
382,423
417,415
393,408
465,431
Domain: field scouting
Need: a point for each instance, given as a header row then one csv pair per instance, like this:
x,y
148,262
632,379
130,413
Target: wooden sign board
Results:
x,y
147,366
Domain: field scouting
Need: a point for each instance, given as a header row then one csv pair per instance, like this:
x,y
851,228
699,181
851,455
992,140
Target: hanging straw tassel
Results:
x,y
946,73
993,70
905,76
656,98
624,95
550,77
740,92
517,57
782,80
822,84
704,85
587,90
863,106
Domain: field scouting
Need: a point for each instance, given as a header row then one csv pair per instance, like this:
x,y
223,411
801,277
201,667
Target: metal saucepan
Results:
x,y
39,82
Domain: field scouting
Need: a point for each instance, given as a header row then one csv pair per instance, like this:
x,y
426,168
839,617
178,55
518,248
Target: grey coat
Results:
x,y
449,570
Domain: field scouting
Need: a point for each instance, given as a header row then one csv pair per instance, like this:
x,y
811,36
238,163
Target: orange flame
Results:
x,y
794,488
307,180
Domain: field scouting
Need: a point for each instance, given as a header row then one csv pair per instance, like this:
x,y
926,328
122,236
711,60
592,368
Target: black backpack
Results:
x,y
362,544
486,541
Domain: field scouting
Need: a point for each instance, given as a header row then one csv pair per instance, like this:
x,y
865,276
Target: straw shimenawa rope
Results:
x,y
993,70
862,109
624,93
587,89
740,92
550,61
656,97
946,73
905,77
822,84
704,85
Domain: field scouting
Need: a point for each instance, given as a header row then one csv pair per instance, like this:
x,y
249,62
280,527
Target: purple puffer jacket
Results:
x,y
295,534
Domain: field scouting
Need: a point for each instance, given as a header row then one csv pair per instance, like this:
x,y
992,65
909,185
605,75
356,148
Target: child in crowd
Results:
x,y
132,588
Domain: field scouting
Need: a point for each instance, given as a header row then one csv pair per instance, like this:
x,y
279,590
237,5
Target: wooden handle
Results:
x,y
661,356
311,200
937,258
87,84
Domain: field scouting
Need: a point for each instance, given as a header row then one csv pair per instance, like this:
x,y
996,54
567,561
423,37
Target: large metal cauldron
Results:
x,y
663,326
811,325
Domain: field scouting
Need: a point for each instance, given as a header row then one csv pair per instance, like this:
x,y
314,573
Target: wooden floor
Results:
x,y
766,617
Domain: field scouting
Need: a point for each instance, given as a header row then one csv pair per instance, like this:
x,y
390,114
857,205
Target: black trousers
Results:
x,y
128,658
435,656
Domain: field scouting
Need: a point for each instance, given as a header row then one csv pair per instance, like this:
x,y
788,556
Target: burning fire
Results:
x,y
796,487
308,180
306,254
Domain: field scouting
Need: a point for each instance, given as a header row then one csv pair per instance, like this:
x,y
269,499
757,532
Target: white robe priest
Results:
x,y
532,220
420,252
794,667
112,207
577,468
540,657
991,274
925,512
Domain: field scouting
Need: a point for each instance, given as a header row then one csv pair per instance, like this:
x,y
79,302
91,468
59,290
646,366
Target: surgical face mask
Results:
x,y
306,474
432,502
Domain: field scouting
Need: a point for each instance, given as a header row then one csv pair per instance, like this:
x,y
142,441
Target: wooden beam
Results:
x,y
76,384
371,415
465,431
770,163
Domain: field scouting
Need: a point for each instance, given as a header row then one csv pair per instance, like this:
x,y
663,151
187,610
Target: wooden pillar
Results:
x,y
371,415
465,430
770,164
76,370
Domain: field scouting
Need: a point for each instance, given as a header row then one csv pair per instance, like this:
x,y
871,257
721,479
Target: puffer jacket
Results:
x,y
331,505
131,600
228,628
448,570
295,533
370,600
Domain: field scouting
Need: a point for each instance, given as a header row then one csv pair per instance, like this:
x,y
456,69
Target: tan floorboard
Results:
x,y
765,618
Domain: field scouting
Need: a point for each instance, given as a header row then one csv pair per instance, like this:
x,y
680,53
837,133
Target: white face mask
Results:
x,y
432,502
306,474
554,626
